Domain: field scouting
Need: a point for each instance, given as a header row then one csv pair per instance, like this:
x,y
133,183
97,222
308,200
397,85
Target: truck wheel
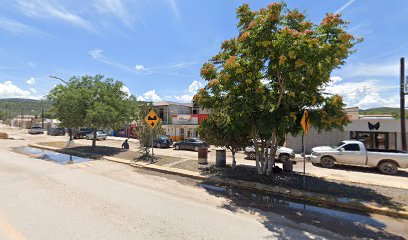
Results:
x,y
327,162
252,156
177,147
388,167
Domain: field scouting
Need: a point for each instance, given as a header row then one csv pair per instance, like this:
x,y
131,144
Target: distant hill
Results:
x,y
16,106
383,110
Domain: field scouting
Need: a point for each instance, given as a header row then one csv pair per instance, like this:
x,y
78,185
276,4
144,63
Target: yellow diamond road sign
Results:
x,y
152,119
305,122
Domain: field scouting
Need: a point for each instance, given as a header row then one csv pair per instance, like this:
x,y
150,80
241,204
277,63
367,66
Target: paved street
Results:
x,y
106,200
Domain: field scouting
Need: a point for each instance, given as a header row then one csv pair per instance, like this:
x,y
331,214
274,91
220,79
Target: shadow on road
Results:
x,y
276,211
376,194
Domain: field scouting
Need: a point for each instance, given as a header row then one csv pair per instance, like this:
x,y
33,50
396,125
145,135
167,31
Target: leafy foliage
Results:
x,y
143,130
220,130
277,66
92,101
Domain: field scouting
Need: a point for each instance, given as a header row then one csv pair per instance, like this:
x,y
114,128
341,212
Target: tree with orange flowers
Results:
x,y
277,66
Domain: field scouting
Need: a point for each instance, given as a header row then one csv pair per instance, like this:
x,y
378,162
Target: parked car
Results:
x,y
353,152
36,130
162,141
100,135
56,132
82,133
282,153
189,144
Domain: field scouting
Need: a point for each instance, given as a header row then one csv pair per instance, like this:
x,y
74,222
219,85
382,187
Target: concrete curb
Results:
x,y
317,198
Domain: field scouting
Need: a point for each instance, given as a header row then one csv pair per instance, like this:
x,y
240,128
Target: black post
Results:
x,y
402,106
304,160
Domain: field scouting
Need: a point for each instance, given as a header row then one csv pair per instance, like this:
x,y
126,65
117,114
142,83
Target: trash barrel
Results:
x,y
202,155
287,166
220,158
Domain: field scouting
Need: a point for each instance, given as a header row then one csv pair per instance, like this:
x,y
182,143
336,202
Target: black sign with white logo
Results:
x,y
373,126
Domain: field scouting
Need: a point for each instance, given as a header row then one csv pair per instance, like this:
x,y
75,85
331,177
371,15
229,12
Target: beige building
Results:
x,y
180,120
375,131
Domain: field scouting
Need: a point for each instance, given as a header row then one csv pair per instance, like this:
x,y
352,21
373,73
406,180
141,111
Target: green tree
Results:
x,y
222,131
92,101
143,131
277,66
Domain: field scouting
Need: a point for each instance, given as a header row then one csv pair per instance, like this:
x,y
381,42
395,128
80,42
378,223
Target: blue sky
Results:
x,y
157,47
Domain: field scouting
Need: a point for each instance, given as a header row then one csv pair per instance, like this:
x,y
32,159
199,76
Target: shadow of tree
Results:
x,y
97,152
343,191
280,215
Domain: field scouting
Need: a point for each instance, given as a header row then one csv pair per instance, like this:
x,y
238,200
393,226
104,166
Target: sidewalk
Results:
x,y
369,199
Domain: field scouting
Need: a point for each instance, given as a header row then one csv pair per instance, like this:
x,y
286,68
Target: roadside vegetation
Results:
x,y
92,101
261,81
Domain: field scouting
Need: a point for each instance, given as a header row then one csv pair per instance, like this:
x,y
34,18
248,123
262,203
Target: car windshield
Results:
x,y
338,145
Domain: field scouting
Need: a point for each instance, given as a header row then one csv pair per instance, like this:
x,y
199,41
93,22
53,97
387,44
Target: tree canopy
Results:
x,y
277,67
92,101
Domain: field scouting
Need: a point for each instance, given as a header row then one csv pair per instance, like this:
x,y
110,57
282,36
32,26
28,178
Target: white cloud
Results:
x,y
9,90
182,65
184,98
174,8
31,81
16,27
141,68
365,94
346,5
48,9
98,56
126,90
371,70
118,8
194,86
150,96
33,90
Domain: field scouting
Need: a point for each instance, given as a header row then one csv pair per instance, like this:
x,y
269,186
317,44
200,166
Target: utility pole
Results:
x,y
402,106
42,117
6,113
22,116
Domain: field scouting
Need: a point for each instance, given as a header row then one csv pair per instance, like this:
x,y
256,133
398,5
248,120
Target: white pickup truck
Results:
x,y
354,153
282,153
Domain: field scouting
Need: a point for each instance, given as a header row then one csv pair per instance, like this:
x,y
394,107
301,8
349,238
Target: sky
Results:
x,y
157,47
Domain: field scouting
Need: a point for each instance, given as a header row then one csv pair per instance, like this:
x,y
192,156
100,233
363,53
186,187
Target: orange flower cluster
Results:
x,y
243,36
289,31
208,71
346,37
231,62
332,19
213,83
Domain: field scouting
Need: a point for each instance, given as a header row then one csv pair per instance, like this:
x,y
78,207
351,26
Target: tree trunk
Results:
x,y
272,154
257,156
234,163
94,138
70,134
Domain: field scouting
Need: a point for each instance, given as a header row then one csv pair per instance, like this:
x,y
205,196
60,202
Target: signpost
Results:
x,y
152,120
305,122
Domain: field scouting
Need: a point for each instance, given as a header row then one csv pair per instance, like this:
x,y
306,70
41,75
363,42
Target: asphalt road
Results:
x,y
104,200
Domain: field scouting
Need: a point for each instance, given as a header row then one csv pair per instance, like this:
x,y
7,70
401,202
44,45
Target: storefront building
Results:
x,y
376,132
180,120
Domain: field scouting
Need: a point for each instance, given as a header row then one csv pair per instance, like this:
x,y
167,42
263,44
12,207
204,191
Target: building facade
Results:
x,y
375,131
180,120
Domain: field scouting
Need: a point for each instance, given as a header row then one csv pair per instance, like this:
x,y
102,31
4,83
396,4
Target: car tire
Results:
x,y
327,162
196,148
158,145
252,155
388,167
177,147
